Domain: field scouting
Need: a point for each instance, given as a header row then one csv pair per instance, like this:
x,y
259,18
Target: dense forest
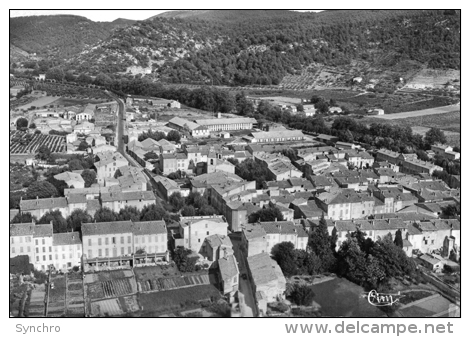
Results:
x,y
255,47
59,36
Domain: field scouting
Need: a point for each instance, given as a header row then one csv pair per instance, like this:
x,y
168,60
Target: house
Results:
x,y
100,148
284,231
203,182
227,124
166,186
327,138
335,109
183,125
84,128
254,240
237,213
344,145
108,164
416,166
116,201
388,156
38,207
267,276
216,247
71,179
104,240
228,274
277,136
339,204
376,111
87,114
441,149
431,262
67,249
192,231
15,90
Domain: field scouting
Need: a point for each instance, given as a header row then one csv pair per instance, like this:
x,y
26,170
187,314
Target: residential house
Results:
x,y
266,276
116,201
38,207
254,240
71,179
284,231
228,274
108,164
216,247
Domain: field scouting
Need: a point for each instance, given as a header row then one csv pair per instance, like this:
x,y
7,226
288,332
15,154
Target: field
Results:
x,y
447,122
341,298
173,300
22,142
40,102
434,78
66,101
425,112
70,91
75,302
56,304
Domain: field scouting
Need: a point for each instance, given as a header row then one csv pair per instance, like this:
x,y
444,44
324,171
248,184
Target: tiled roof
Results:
x,y
283,227
253,231
217,240
262,269
49,203
22,229
70,238
101,228
42,230
69,176
219,121
149,227
76,198
132,195
228,267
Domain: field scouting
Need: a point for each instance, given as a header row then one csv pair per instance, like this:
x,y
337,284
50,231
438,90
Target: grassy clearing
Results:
x,y
176,300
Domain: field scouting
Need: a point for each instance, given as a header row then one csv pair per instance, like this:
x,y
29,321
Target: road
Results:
x,y
249,308
418,113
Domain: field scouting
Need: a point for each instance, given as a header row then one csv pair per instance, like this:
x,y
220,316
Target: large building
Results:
x,y
227,124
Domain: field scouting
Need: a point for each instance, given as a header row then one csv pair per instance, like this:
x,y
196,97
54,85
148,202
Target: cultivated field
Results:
x,y
425,112
56,304
40,102
75,301
23,142
434,78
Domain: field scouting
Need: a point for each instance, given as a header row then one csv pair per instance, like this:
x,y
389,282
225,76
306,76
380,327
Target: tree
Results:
x,y
271,213
21,123
44,153
434,136
103,80
60,185
89,176
284,255
83,146
105,215
451,211
173,136
188,210
32,126
75,165
75,220
302,294
84,79
55,74
151,155
129,213
319,242
206,210
23,217
152,212
69,76
307,262
351,261
41,189
233,161
251,170
300,107
59,225
184,262
176,200
398,239
391,258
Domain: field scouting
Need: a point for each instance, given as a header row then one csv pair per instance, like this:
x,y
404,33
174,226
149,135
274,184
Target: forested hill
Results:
x,y
59,36
242,47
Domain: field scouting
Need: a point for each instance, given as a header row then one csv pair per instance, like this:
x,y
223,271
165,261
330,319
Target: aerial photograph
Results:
x,y
234,163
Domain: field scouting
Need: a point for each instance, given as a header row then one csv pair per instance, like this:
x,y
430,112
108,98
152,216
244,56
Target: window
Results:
x,y
50,257
198,240
43,241
106,240
122,251
43,249
90,254
44,257
50,249
100,253
37,258
129,250
432,242
122,239
36,241
107,252
143,239
89,242
29,249
99,241
13,250
207,232
56,256
136,239
21,249
128,239
12,240
37,250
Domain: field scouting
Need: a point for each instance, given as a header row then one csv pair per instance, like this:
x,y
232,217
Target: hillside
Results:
x,y
240,47
59,36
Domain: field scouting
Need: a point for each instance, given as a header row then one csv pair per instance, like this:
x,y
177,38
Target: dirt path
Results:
x,y
425,112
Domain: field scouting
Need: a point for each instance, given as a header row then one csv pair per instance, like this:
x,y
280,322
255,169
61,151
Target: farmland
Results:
x,y
23,142
70,91
56,303
425,112
38,102
75,302
173,300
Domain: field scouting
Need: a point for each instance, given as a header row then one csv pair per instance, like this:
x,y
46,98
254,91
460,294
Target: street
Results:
x,y
249,309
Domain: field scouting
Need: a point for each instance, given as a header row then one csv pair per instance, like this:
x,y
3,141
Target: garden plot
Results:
x,y
163,284
115,307
56,304
23,142
110,284
36,302
75,301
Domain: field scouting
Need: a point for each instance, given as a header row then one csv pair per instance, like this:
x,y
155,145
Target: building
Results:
x,y
441,149
183,125
277,136
416,166
105,240
108,164
15,90
284,231
118,200
38,207
71,179
267,277
166,186
192,231
67,249
228,274
254,240
227,124
87,114
216,247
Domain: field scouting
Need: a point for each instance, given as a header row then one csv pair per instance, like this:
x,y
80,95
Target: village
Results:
x,y
159,211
